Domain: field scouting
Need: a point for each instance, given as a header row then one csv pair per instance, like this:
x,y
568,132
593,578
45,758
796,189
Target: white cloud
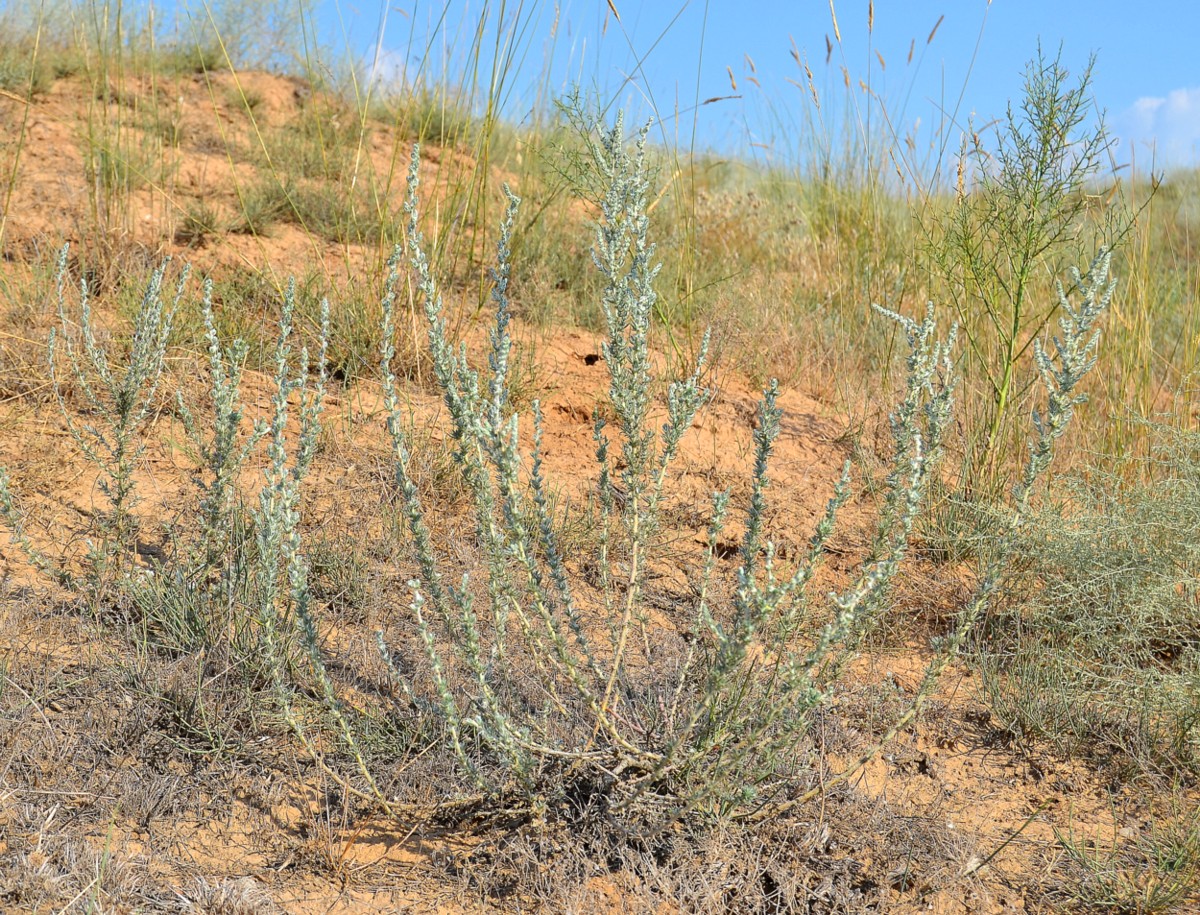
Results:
x,y
1169,127
388,71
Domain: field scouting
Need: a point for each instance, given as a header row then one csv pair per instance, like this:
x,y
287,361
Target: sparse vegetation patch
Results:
x,y
812,529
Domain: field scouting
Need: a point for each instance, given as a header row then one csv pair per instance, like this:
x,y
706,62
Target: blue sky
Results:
x,y
1147,75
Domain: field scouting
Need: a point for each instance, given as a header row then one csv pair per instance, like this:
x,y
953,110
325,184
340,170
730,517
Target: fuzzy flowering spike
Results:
x,y
1073,356
500,340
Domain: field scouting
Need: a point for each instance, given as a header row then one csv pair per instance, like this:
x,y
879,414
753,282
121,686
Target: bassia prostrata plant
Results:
x,y
543,680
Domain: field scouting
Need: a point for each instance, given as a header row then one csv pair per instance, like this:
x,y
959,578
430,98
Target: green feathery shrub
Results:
x,y
1100,656
1025,218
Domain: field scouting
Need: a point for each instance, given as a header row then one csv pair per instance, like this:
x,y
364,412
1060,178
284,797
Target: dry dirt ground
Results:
x,y
123,788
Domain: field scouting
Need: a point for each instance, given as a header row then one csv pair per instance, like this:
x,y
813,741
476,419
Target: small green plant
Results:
x,y
199,222
222,446
228,587
116,163
340,576
228,581
22,72
120,402
428,118
252,99
248,34
320,144
263,205
188,57
170,130
1156,874
319,208
1022,221
335,213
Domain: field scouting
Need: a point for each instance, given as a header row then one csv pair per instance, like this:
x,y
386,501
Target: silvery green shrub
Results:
x,y
237,581
118,391
240,582
544,679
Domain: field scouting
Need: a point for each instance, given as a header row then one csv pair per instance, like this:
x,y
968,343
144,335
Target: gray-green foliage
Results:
x,y
240,582
545,681
222,446
199,601
235,578
119,400
1156,874
1061,371
1100,657
544,677
21,73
